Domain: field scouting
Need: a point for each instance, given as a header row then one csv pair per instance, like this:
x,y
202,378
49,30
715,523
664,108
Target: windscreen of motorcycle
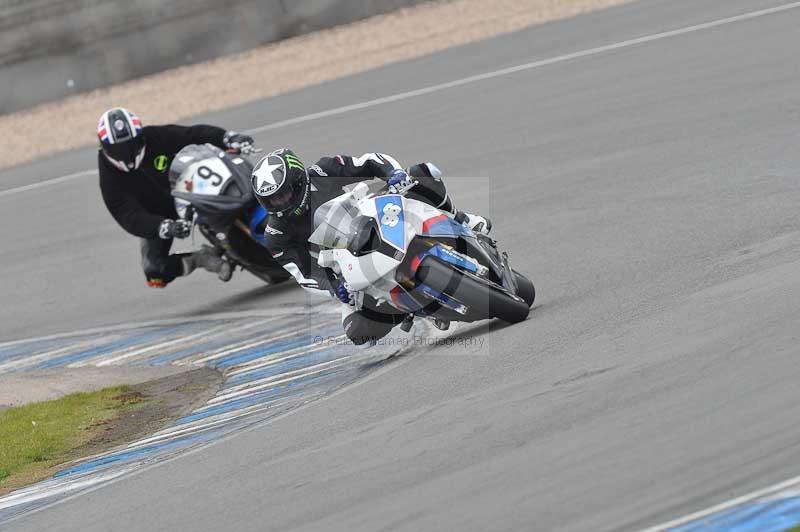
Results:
x,y
332,223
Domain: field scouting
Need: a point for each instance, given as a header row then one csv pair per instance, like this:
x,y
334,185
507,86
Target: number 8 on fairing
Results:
x,y
207,173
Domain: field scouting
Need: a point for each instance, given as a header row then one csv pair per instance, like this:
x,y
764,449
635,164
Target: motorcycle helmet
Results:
x,y
280,182
121,139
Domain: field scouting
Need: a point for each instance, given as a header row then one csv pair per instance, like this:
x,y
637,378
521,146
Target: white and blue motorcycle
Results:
x,y
403,256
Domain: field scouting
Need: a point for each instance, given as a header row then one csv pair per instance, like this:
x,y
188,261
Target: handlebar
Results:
x,y
250,150
247,150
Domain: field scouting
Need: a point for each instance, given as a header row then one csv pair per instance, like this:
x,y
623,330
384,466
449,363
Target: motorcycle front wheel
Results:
x,y
483,300
525,288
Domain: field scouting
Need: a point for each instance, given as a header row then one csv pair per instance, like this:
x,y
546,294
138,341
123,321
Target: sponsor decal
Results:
x,y
293,162
267,189
161,163
318,170
390,212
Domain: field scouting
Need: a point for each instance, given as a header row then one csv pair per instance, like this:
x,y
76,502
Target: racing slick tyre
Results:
x,y
484,301
525,288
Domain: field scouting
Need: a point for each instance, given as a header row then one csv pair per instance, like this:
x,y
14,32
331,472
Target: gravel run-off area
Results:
x,y
292,64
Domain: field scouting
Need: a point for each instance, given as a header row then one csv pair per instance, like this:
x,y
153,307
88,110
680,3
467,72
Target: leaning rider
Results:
x,y
291,193
133,163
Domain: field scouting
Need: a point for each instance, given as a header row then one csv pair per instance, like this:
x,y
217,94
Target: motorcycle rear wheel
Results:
x,y
483,300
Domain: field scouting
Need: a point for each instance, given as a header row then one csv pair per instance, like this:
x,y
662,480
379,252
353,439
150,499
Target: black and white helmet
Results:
x,y
120,134
280,182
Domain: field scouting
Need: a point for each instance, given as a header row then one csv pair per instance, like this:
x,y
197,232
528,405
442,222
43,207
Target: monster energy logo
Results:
x,y
293,162
160,162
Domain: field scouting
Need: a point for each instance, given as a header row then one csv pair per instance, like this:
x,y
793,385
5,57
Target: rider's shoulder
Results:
x,y
164,132
331,166
315,170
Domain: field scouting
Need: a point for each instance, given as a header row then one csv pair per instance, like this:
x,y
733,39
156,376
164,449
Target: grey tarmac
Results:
x,y
651,193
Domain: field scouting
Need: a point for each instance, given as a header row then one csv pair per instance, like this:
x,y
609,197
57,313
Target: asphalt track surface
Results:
x,y
651,193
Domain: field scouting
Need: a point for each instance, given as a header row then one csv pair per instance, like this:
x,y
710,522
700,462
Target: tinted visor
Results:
x,y
125,152
286,198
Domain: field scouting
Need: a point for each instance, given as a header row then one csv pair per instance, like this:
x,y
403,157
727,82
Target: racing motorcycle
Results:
x,y
212,188
403,256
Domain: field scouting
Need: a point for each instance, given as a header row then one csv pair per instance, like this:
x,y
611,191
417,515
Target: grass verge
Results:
x,y
36,438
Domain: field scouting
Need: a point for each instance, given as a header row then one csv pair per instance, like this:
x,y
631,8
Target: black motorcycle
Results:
x,y
212,188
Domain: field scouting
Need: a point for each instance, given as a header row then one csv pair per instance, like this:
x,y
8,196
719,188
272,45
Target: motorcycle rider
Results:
x,y
133,163
291,193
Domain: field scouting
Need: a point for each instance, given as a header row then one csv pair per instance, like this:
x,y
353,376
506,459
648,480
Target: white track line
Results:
x,y
205,424
275,312
34,360
41,491
54,181
465,81
275,380
255,383
275,358
206,335
792,482
249,344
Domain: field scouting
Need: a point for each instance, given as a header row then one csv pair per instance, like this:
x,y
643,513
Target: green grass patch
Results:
x,y
36,437
794,529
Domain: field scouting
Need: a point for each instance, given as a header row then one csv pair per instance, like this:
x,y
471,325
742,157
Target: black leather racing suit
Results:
x,y
286,236
140,200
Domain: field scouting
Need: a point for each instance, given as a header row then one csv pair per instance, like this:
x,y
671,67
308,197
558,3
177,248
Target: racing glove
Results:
x,y
238,142
398,180
345,295
174,229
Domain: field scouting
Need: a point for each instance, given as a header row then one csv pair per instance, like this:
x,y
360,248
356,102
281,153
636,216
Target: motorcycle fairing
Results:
x,y
445,255
215,183
443,225
402,300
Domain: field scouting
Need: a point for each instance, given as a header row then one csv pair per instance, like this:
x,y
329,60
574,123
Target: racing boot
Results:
x,y
364,329
478,224
442,325
407,324
208,259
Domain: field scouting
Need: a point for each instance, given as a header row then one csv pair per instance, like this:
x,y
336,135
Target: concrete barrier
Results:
x,y
53,48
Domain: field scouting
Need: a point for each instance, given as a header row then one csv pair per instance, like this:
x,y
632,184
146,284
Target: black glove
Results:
x,y
174,229
238,142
